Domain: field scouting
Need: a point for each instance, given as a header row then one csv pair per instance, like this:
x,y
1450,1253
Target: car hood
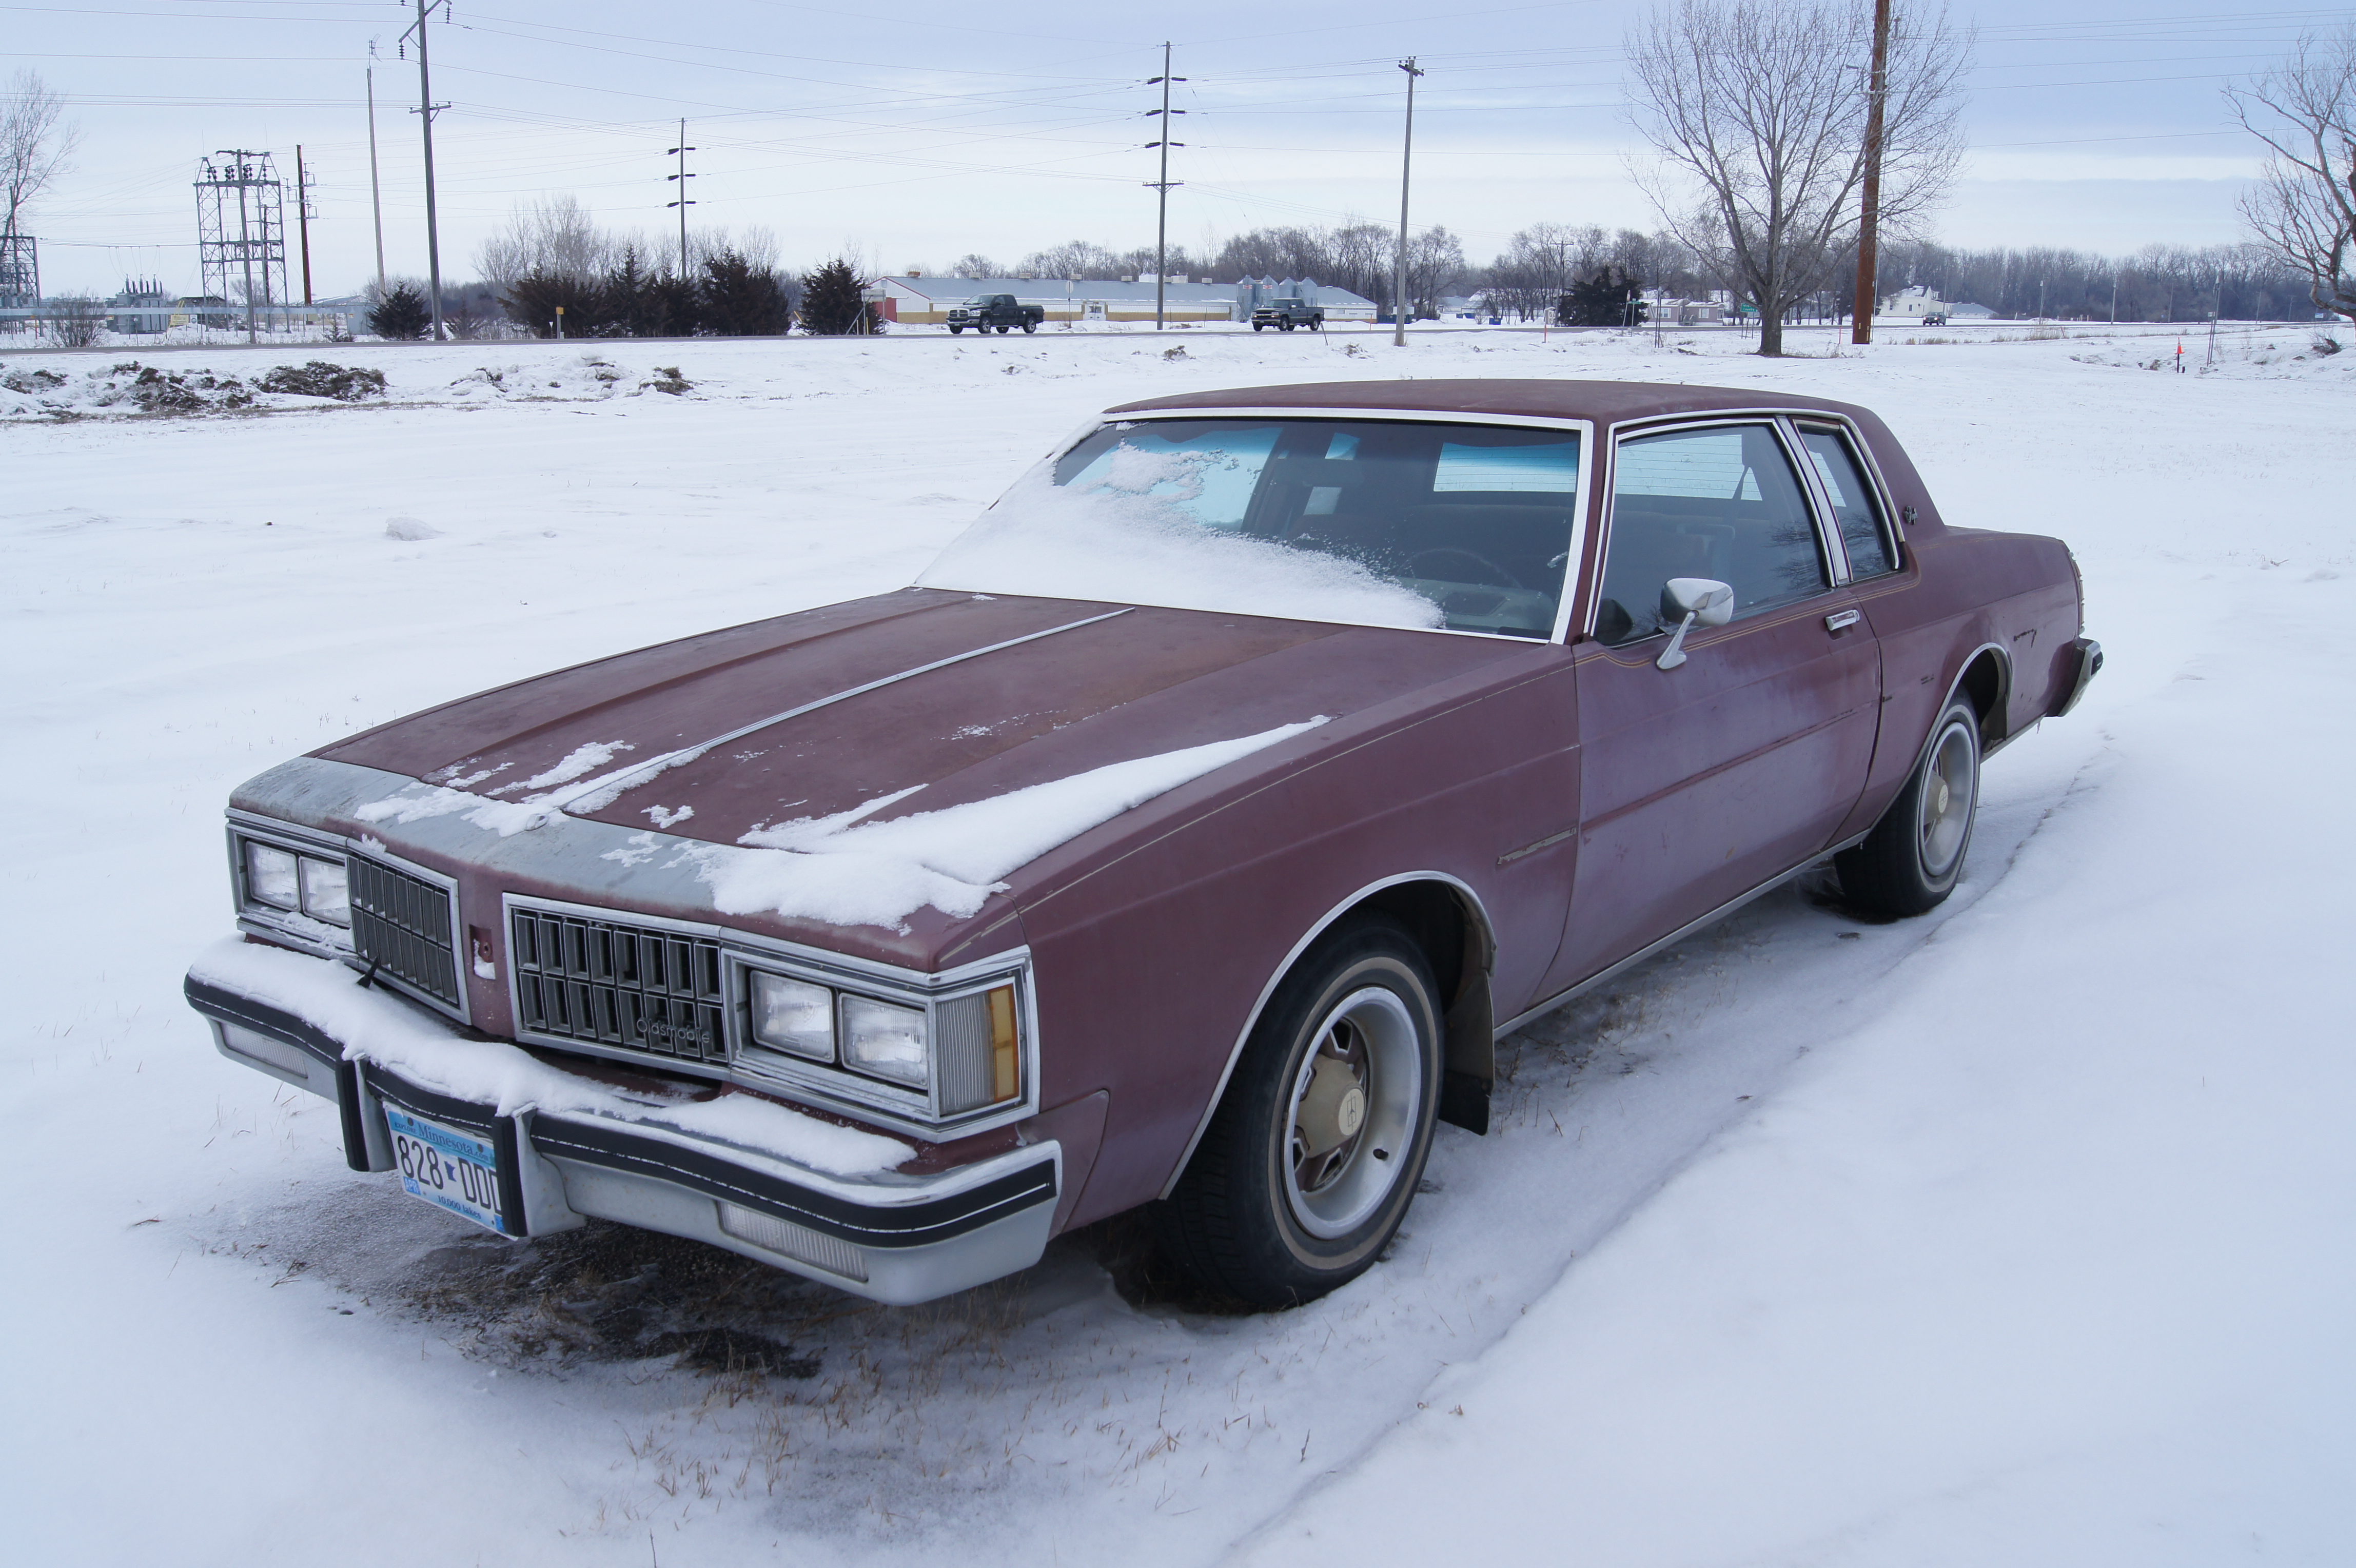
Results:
x,y
903,703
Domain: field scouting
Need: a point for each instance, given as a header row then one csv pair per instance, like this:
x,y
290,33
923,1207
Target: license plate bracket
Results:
x,y
453,1168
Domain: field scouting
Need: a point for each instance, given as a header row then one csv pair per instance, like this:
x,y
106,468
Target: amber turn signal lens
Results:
x,y
1005,1048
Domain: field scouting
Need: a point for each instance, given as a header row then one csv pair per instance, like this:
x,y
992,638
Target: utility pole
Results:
x,y
303,218
376,191
682,176
425,111
1162,227
1868,227
245,243
1407,166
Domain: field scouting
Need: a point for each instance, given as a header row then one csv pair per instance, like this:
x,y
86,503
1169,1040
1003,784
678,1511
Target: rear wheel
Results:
x,y
1030,326
1913,857
1002,329
1313,1154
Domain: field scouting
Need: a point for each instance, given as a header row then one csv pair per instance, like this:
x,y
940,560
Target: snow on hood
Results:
x,y
847,869
388,1032
1124,539
850,872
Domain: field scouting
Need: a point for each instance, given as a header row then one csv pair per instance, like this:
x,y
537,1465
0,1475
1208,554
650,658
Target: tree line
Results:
x,y
552,272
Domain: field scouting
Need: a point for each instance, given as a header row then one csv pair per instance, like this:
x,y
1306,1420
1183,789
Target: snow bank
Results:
x,y
1124,539
380,1029
850,872
129,388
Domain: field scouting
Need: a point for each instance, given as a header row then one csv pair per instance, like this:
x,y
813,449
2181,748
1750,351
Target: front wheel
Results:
x,y
1258,325
954,330
1913,857
1313,1154
1002,329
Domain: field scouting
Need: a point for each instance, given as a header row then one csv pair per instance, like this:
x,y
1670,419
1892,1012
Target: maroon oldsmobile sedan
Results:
x,y
1183,839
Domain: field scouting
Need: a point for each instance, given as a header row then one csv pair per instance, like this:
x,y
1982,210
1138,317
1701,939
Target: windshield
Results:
x,y
1472,520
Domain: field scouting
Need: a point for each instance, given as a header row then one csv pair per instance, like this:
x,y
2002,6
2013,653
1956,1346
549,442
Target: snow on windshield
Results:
x,y
1149,524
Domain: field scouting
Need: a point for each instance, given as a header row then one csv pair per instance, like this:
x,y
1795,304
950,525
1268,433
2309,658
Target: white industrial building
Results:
x,y
919,299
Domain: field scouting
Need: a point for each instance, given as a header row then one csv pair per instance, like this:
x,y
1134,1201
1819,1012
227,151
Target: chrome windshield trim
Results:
x,y
1590,453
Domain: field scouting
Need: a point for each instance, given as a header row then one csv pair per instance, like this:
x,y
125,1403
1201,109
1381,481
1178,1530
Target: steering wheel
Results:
x,y
1499,578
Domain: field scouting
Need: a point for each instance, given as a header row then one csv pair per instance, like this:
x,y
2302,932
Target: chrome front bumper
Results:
x,y
892,1238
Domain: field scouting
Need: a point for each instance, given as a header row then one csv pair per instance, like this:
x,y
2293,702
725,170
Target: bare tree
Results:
x,y
1758,112
33,146
1073,258
974,265
2303,207
554,237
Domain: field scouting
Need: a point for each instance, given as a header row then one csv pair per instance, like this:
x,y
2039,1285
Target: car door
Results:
x,y
1700,782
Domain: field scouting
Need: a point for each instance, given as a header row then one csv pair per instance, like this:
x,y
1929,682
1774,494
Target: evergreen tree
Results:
x,y
532,301
401,315
739,299
830,302
1602,298
630,302
674,306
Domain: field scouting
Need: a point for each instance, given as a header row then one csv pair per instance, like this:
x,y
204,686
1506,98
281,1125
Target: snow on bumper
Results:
x,y
578,1147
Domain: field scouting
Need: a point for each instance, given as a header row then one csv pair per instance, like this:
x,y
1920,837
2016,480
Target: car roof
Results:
x,y
1604,402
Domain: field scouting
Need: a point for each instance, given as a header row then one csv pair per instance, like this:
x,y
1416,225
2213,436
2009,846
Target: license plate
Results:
x,y
447,1167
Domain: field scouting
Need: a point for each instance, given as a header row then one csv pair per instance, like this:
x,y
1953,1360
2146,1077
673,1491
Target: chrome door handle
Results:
x,y
1841,621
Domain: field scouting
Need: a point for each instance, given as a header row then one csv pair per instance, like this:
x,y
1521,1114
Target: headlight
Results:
x,y
885,1041
794,1016
326,895
270,878
313,884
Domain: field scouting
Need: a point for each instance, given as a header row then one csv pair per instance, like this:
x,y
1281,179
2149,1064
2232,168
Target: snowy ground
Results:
x,y
2017,1234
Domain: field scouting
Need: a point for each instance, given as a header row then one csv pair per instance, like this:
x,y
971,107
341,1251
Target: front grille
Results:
x,y
401,924
612,985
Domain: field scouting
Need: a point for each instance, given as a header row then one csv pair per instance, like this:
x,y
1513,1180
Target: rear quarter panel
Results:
x,y
1961,590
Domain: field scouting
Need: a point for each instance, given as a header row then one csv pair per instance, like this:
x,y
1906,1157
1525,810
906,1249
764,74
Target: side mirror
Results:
x,y
1691,602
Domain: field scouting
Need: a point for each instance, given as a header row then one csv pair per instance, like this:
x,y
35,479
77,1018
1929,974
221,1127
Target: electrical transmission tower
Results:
x,y
241,237
20,270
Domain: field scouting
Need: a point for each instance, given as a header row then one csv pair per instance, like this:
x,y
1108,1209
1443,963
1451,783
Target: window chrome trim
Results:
x,y
1893,529
1581,499
1820,503
824,1086
262,919
1656,424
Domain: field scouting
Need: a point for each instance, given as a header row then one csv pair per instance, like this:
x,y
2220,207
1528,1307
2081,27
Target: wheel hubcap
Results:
x,y
1947,801
1353,1112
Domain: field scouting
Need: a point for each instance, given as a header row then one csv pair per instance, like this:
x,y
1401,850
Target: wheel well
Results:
x,y
1453,940
1457,944
1984,685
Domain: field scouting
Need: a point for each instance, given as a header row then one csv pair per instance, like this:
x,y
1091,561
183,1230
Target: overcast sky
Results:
x,y
916,133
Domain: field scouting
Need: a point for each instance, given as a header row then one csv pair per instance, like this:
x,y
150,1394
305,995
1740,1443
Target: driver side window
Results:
x,y
1721,502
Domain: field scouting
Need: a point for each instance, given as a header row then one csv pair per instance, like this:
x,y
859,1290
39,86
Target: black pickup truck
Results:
x,y
984,311
1287,313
